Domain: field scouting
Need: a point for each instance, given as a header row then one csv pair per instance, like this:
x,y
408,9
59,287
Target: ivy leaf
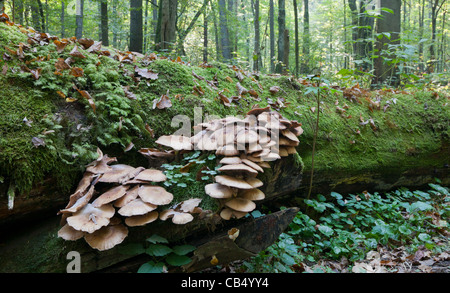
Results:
x,y
327,231
157,239
183,249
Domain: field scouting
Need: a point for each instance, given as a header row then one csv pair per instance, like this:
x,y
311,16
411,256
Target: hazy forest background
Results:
x,y
360,40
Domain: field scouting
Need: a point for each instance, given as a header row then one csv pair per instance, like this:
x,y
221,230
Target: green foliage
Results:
x,y
163,256
352,226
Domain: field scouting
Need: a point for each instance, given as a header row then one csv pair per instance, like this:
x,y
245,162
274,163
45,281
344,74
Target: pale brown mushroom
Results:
x,y
131,194
178,218
69,233
110,195
228,213
90,218
237,168
230,160
136,207
156,195
230,181
151,175
217,190
251,194
107,237
142,220
241,204
79,203
176,142
120,173
253,182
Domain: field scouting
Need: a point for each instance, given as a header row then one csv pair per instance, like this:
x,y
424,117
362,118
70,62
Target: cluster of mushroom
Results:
x,y
247,145
92,215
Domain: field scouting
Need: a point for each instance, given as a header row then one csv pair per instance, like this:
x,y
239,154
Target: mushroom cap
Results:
x,y
107,237
100,165
230,160
229,150
237,168
136,207
254,182
177,142
233,182
129,196
189,206
120,173
246,136
217,190
257,111
151,175
69,233
110,195
90,218
142,220
241,204
228,213
156,195
251,194
289,135
79,203
298,130
253,165
178,218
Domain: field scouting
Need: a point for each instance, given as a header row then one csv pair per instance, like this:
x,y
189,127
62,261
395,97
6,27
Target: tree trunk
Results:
x,y
436,6
167,20
388,23
286,43
205,36
296,40
136,26
41,13
306,38
79,19
224,34
104,22
281,29
272,36
256,53
63,28
182,35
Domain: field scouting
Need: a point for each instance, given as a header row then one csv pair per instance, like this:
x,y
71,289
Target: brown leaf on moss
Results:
x,y
198,90
76,53
37,142
60,45
86,43
144,72
150,130
77,71
128,93
274,89
224,99
163,102
61,64
240,89
96,47
88,97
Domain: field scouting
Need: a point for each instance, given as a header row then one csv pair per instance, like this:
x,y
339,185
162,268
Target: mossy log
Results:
x,y
34,246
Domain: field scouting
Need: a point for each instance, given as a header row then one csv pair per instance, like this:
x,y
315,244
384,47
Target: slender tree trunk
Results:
x,y
146,26
41,13
257,53
281,29
19,11
296,39
345,36
167,20
104,22
136,26
63,12
421,26
79,19
306,38
182,35
286,44
205,36
385,72
224,33
436,6
272,36
216,33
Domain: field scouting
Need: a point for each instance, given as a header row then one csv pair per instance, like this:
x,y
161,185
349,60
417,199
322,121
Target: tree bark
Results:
x,y
281,28
388,23
136,26
257,52
63,12
79,19
272,36
296,40
205,36
104,22
306,38
224,33
167,21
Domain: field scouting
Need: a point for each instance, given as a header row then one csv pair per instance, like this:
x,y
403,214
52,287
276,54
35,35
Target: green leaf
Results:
x,y
327,231
336,195
177,260
424,237
387,10
151,267
156,239
439,188
183,249
158,250
421,206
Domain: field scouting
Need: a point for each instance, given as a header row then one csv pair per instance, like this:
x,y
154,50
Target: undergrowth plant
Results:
x,y
352,226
